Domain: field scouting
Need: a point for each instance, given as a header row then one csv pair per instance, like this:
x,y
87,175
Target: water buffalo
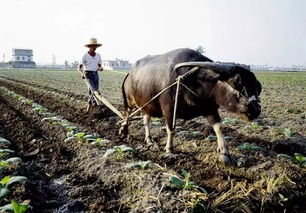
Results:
x,y
230,86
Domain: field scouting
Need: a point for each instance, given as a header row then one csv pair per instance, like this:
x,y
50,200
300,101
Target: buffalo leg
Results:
x,y
146,123
214,120
222,148
168,115
170,133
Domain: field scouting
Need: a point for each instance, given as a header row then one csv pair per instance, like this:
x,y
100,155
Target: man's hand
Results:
x,y
80,69
100,69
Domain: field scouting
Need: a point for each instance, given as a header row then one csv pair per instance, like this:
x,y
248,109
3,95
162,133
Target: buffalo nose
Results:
x,y
254,109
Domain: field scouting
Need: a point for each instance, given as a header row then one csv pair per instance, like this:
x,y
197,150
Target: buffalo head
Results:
x,y
236,87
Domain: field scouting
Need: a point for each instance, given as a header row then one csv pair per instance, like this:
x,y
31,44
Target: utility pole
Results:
x,y
3,57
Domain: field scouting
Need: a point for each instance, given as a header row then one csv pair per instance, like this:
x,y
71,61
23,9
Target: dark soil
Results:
x,y
56,159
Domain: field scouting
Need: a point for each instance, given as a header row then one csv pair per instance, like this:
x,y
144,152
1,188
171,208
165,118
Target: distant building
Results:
x,y
23,58
116,64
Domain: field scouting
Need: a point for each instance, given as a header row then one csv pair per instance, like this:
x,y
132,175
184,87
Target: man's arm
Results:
x,y
81,70
100,67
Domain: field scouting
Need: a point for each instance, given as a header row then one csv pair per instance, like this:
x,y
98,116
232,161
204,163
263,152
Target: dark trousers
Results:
x,y
93,80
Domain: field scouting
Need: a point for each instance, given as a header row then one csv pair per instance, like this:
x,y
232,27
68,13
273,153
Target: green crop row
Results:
x,y
7,162
76,133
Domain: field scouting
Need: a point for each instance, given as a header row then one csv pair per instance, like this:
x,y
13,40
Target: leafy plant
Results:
x,y
139,165
194,132
27,101
19,208
81,136
185,183
255,126
211,138
156,121
99,142
287,132
6,152
5,163
228,138
15,207
198,206
7,181
296,159
248,147
229,121
118,150
4,141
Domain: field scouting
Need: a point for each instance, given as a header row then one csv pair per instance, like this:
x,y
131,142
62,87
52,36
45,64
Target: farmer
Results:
x,y
91,63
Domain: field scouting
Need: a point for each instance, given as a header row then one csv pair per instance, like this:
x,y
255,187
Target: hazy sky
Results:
x,y
247,31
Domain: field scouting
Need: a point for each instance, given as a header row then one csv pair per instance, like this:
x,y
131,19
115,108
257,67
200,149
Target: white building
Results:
x,y
116,64
23,58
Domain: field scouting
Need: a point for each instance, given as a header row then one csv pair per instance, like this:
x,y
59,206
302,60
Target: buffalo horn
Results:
x,y
217,67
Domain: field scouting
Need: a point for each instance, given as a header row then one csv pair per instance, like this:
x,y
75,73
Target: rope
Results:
x,y
176,100
178,83
158,94
238,92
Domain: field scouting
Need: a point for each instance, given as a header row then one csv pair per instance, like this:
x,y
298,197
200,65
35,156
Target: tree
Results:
x,y
200,49
66,64
74,64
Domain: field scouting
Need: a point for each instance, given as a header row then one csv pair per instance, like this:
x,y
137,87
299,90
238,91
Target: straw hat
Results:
x,y
93,42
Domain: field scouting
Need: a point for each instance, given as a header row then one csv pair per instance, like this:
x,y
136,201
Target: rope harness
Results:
x,y
178,83
239,94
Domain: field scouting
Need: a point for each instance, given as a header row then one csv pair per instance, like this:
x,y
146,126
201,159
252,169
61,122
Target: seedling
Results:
x,y
211,138
185,184
139,165
287,132
228,138
27,101
15,207
194,132
248,148
19,208
9,161
53,118
156,121
198,206
100,142
40,109
255,126
296,159
4,141
5,163
118,150
229,121
81,136
5,152
7,181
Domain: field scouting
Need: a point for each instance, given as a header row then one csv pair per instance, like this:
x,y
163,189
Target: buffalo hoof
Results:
x,y
169,150
227,159
169,156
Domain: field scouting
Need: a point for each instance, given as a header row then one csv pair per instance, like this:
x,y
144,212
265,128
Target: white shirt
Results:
x,y
90,63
